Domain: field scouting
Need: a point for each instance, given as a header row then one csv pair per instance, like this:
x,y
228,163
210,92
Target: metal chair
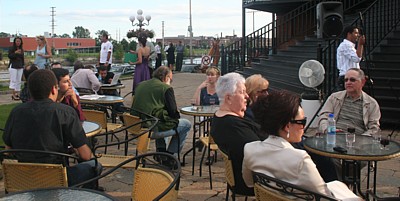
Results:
x,y
229,177
153,180
375,197
207,140
21,174
143,141
268,188
112,160
84,91
98,113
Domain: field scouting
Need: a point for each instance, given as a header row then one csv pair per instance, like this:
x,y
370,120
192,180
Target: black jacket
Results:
x,y
16,60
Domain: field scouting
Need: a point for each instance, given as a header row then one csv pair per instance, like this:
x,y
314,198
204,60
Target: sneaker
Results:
x,y
210,160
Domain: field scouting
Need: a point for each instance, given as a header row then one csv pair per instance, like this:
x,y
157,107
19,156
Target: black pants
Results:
x,y
179,61
340,83
158,60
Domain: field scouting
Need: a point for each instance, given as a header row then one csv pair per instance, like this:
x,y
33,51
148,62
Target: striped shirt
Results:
x,y
351,115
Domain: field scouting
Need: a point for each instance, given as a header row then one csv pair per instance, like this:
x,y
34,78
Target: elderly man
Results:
x,y
156,97
351,107
44,124
347,55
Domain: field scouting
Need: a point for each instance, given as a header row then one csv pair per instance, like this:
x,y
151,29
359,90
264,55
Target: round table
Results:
x,y
91,128
363,150
101,99
61,194
197,112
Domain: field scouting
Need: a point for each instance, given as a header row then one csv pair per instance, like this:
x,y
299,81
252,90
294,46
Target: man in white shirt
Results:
x,y
347,55
159,55
105,52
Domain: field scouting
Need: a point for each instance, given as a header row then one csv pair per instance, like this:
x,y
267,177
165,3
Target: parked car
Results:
x,y
124,69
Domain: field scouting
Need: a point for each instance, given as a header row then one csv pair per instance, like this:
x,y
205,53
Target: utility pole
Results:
x,y
190,32
52,26
163,35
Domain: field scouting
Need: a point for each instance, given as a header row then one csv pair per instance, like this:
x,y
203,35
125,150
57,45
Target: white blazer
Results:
x,y
277,158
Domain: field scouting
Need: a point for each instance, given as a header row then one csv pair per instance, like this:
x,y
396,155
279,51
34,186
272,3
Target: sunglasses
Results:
x,y
300,121
352,79
264,91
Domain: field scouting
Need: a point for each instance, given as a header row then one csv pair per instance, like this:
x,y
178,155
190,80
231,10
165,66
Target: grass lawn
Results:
x,y
4,112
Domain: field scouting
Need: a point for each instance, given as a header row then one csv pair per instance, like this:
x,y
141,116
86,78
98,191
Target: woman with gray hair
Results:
x,y
230,130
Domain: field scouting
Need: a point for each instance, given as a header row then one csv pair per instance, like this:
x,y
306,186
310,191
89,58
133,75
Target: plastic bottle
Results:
x,y
99,77
331,134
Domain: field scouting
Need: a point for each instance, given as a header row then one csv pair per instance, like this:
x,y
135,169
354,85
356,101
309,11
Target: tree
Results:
x,y
125,45
132,45
3,35
98,34
118,51
65,36
81,32
72,56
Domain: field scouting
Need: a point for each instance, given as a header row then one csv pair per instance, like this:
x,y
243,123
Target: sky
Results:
x,y
209,17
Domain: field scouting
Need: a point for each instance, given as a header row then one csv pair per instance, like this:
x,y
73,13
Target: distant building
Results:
x,y
61,45
197,41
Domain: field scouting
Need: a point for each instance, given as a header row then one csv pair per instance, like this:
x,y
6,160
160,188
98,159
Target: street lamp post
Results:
x,y
140,19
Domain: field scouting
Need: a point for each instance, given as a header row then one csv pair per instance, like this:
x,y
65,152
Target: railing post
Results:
x,y
224,67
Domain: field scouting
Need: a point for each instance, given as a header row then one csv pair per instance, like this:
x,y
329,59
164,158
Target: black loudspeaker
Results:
x,y
329,19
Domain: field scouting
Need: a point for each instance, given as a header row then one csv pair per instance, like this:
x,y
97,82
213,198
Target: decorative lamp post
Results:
x,y
140,18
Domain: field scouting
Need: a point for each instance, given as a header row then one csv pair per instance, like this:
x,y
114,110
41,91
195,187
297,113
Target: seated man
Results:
x,y
156,97
43,124
351,107
84,78
66,93
106,77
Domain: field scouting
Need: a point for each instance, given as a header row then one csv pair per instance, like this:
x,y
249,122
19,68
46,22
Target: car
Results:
x,y
124,69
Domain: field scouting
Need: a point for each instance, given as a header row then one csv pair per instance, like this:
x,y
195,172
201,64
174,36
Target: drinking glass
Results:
x,y
319,133
384,142
350,139
193,102
376,136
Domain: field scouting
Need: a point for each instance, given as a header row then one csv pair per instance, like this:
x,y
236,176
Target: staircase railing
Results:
x,y
266,40
380,18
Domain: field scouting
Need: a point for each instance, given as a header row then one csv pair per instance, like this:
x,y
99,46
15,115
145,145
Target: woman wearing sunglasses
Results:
x,y
282,122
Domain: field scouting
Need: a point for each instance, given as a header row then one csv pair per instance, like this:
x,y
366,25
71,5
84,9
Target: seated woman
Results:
x,y
256,85
282,122
66,94
229,129
206,91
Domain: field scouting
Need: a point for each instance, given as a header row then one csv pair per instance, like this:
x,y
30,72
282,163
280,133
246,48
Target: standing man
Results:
x,y
347,55
105,52
179,56
44,124
156,97
159,55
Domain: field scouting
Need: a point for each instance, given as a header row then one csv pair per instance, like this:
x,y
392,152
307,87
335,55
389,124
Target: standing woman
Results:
x,y
43,52
171,56
142,72
16,66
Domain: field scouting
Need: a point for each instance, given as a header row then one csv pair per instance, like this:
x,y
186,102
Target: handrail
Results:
x,y
266,40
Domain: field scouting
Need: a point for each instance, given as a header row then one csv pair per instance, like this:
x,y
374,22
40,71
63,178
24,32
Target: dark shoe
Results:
x,y
171,164
199,145
210,160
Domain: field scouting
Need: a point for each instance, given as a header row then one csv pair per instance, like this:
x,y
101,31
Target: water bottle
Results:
x,y
99,77
331,134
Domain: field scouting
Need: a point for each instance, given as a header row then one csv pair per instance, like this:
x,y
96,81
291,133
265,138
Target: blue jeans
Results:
x,y
84,171
183,130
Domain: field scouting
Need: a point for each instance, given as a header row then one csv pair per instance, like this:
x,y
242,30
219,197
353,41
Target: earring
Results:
x,y
288,134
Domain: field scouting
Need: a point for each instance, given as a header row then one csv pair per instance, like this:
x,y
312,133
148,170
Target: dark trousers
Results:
x,y
179,61
340,83
158,60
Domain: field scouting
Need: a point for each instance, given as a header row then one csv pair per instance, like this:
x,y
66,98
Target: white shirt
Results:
x,y
106,47
158,49
347,57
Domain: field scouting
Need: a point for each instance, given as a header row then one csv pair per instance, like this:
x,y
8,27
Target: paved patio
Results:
x,y
195,188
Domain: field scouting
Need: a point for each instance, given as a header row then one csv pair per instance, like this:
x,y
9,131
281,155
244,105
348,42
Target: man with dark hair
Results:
x,y
347,55
44,124
156,97
105,52
84,78
56,65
